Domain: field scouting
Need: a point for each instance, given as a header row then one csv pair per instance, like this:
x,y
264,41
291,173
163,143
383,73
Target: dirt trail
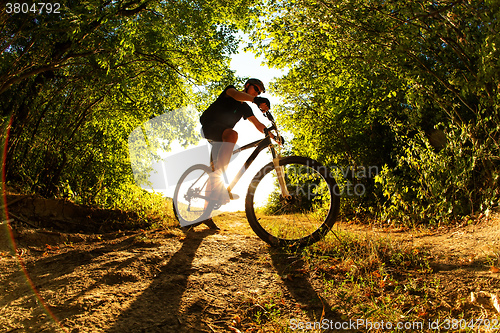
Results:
x,y
455,245
197,281
149,281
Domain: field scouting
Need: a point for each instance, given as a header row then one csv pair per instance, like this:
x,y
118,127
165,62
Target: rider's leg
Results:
x,y
229,138
221,161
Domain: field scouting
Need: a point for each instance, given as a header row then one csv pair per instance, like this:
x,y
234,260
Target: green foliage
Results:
x,y
369,83
75,85
433,186
308,190
373,83
151,208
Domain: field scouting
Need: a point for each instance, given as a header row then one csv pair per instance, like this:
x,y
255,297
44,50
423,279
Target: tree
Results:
x,y
74,85
372,81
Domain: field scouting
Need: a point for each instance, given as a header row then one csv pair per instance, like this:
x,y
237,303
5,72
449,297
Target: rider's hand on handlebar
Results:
x,y
262,103
276,139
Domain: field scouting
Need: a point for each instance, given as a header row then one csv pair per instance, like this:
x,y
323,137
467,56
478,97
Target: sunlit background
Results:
x,y
245,64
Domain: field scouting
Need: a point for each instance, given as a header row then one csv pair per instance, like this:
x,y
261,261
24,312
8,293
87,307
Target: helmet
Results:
x,y
258,83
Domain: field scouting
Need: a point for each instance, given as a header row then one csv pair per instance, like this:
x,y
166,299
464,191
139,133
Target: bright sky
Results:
x,y
246,65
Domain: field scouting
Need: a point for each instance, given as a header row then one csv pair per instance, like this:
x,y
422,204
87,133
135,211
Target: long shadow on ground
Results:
x,y
295,278
52,274
157,308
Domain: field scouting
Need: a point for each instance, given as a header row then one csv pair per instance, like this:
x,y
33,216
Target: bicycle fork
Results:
x,y
281,178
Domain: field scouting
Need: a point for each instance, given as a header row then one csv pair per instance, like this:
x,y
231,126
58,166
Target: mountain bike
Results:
x,y
291,201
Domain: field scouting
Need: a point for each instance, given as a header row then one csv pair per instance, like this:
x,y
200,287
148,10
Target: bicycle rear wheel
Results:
x,y
192,201
305,216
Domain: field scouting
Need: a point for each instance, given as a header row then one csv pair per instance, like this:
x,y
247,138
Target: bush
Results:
x,y
433,186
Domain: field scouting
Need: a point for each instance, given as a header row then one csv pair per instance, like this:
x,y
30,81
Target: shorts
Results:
x,y
213,131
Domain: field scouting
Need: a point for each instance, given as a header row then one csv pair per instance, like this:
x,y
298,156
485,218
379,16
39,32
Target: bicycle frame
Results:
x,y
261,145
297,220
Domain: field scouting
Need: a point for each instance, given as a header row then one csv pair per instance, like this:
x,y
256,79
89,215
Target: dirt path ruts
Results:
x,y
149,282
170,281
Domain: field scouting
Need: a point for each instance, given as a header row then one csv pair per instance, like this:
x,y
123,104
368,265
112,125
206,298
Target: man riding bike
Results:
x,y
218,121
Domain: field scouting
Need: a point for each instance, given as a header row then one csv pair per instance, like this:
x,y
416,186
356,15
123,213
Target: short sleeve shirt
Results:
x,y
226,110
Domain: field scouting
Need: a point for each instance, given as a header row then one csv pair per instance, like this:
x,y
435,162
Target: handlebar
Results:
x,y
269,116
278,138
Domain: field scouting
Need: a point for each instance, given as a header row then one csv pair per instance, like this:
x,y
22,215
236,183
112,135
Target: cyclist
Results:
x,y
217,123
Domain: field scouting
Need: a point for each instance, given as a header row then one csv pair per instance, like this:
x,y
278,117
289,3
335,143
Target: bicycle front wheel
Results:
x,y
192,200
304,216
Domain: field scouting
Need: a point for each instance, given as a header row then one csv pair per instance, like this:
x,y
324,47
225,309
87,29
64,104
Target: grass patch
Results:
x,y
345,276
152,209
353,277
371,279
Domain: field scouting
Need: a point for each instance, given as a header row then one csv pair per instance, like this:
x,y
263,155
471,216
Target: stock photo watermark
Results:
x,y
349,179
37,8
353,177
367,325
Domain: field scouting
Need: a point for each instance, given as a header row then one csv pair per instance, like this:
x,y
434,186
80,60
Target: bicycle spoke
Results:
x,y
192,199
303,217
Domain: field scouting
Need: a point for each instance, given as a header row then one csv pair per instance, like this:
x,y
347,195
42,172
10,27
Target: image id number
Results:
x,y
36,8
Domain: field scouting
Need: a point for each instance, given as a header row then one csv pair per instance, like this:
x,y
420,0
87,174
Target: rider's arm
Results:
x,y
244,97
260,126
239,95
